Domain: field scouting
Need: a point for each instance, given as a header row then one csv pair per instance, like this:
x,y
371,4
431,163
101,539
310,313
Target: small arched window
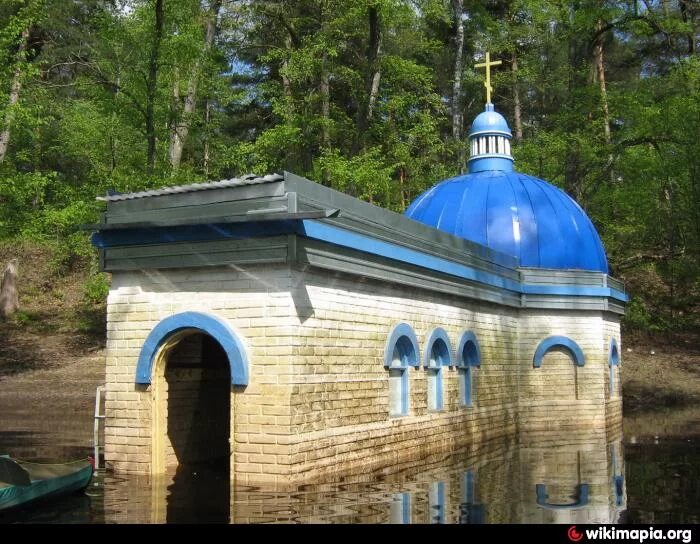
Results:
x,y
438,355
613,362
559,342
468,360
400,352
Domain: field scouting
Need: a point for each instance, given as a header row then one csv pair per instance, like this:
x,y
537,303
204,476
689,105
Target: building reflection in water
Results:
x,y
548,478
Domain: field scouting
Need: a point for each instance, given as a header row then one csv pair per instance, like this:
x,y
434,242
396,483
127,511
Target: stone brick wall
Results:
x,y
318,396
255,302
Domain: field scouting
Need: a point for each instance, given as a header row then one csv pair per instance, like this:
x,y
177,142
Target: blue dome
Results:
x,y
516,214
491,122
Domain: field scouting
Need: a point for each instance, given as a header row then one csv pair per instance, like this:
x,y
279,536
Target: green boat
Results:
x,y
22,482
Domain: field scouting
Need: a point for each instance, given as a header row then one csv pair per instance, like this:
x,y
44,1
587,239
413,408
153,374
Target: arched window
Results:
x,y
468,360
400,352
562,342
613,361
438,354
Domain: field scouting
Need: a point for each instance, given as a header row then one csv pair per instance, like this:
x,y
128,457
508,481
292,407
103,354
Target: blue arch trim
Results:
x,y
614,357
445,359
214,326
473,357
558,341
403,336
542,498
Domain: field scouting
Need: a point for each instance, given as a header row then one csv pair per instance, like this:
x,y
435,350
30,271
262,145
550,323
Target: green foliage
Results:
x,y
96,288
288,85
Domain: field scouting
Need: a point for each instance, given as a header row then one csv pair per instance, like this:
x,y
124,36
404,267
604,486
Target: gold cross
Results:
x,y
487,83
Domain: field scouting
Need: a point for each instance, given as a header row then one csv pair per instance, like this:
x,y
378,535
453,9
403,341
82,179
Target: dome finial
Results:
x,y
487,83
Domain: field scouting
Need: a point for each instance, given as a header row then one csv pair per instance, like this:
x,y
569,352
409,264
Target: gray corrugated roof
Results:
x,y
233,182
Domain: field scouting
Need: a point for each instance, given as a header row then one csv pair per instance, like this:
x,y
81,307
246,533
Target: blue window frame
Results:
x,y
468,360
438,355
553,342
613,361
400,353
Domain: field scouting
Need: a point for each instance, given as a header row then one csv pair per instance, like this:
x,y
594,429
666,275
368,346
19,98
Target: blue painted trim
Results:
x,y
405,500
613,361
341,237
569,290
406,507
542,497
473,358
214,326
436,374
404,391
403,335
345,238
619,487
482,163
558,341
614,356
468,487
438,334
324,232
466,378
439,506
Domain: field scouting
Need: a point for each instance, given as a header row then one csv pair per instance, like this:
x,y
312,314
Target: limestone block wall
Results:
x,y
318,395
613,393
257,304
340,394
561,395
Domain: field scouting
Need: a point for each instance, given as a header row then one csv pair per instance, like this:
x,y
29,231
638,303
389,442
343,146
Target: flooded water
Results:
x,y
652,475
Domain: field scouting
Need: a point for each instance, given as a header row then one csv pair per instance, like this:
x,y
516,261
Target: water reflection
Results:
x,y
552,478
542,478
571,479
198,494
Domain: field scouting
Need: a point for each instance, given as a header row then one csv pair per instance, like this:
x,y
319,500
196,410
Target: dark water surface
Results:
x,y
652,475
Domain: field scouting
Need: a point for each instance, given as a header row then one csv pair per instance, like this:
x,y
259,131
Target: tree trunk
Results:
x,y
517,108
325,102
15,88
598,60
207,109
181,128
174,115
373,58
683,5
577,54
457,82
365,111
9,297
286,82
151,85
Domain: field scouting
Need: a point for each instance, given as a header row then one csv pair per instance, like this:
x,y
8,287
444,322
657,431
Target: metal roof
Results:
x,y
515,214
192,187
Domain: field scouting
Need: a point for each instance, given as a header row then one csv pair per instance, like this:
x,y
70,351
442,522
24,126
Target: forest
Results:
x,y
371,97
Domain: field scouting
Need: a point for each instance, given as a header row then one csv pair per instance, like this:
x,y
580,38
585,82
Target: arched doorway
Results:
x,y
192,361
194,401
192,422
